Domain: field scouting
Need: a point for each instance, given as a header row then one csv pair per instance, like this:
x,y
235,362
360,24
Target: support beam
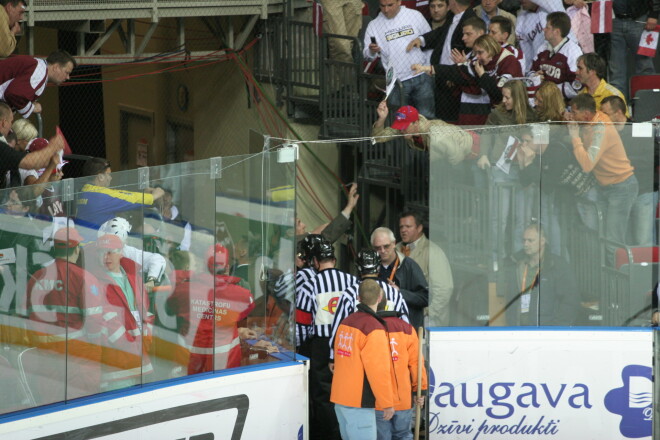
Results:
x,y
146,38
245,32
130,28
103,38
181,32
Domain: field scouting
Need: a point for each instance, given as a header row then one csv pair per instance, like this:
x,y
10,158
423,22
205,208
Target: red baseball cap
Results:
x,y
37,144
405,116
67,238
109,241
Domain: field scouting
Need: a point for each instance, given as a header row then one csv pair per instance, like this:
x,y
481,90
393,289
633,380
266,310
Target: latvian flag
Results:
x,y
649,42
317,18
601,17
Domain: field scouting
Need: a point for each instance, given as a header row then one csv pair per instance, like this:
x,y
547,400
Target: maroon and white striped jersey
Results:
x,y
558,65
22,80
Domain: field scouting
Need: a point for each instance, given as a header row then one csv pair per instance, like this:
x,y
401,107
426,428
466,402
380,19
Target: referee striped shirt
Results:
x,y
319,297
303,331
349,301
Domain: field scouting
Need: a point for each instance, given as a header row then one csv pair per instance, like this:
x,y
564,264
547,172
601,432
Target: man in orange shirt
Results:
x,y
362,351
599,150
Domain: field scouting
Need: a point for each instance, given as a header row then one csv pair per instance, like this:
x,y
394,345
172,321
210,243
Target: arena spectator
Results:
x,y
25,131
643,159
363,377
11,14
342,17
97,203
541,287
388,36
333,230
598,148
591,73
440,15
12,160
531,24
501,29
557,61
488,9
631,17
444,141
478,91
416,246
514,110
402,273
23,79
550,105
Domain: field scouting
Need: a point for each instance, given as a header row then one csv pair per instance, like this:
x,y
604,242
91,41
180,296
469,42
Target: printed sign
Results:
x,y
564,385
248,405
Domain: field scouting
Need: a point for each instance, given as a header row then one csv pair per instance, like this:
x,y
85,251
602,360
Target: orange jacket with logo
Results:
x,y
404,347
363,364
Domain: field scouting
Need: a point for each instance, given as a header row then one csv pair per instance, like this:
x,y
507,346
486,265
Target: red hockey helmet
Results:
x,y
217,258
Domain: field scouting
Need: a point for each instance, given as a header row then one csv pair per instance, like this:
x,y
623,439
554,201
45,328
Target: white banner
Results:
x,y
267,403
535,384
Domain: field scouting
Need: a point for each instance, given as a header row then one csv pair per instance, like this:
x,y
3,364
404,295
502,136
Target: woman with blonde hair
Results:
x,y
498,149
25,132
549,102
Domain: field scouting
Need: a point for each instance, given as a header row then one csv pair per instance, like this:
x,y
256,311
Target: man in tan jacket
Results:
x,y
11,14
442,140
428,255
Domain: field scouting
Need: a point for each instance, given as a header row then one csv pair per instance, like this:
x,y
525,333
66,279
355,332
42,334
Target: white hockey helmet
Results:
x,y
117,226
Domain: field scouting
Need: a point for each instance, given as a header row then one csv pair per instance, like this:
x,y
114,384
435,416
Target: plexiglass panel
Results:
x,y
555,227
126,278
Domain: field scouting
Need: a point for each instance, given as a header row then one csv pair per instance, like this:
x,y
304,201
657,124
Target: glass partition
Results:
x,y
545,230
126,278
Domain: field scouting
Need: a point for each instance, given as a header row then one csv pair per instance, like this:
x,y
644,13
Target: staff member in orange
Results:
x,y
363,376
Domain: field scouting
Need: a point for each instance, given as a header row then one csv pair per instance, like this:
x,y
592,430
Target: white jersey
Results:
x,y
392,36
529,28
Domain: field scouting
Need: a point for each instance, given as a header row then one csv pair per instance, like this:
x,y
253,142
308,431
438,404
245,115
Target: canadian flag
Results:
x,y
649,42
317,18
601,17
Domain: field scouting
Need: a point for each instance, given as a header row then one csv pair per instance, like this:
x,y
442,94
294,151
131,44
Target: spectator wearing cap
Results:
x,y
444,141
97,203
23,79
66,312
598,148
591,73
12,160
416,246
127,360
11,14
